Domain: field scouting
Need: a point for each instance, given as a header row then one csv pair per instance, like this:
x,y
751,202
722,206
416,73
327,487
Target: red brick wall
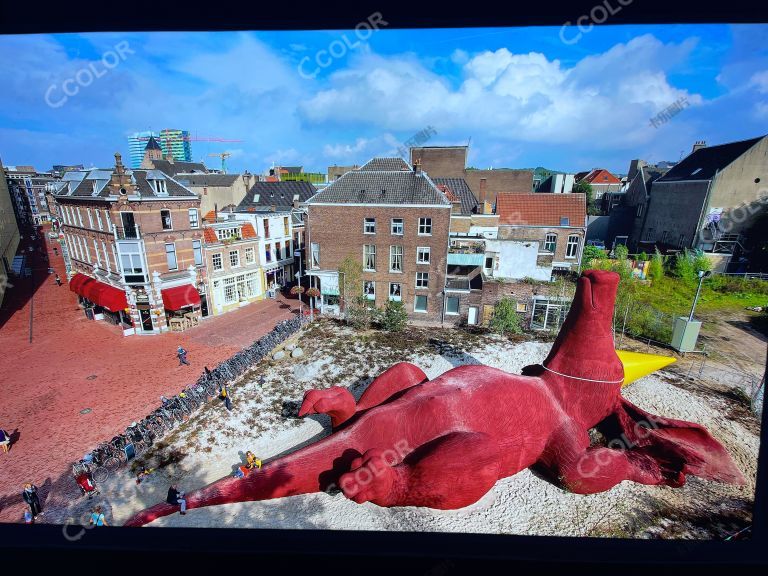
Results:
x,y
339,231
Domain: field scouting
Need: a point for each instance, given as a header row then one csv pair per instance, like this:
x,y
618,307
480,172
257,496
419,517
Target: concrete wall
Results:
x,y
220,196
517,260
539,234
9,233
674,207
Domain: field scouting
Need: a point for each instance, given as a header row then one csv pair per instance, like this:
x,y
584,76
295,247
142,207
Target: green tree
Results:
x,y
505,319
621,252
584,187
394,318
656,267
350,291
593,253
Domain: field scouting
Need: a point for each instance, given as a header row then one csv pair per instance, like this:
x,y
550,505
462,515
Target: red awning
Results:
x,y
104,295
77,281
180,296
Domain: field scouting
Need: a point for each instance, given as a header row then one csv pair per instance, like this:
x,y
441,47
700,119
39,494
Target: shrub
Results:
x,y
642,257
656,267
621,252
593,253
359,314
394,317
505,319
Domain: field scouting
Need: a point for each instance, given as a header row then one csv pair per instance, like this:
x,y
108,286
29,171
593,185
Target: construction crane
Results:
x,y
190,139
223,156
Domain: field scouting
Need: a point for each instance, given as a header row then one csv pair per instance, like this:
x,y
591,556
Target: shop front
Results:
x,y
182,307
101,301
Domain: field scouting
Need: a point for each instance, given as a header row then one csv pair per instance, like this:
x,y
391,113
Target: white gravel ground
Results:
x,y
212,443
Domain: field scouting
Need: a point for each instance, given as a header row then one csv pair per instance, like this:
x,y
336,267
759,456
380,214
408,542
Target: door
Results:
x,y
472,315
146,319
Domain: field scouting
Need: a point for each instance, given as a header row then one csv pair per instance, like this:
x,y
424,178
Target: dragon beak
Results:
x,y
637,364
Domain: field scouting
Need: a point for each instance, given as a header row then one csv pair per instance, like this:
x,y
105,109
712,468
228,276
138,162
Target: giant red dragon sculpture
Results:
x,y
444,443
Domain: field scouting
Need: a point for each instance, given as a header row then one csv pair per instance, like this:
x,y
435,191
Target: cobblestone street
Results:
x,y
73,364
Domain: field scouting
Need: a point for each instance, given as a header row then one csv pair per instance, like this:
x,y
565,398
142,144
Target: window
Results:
x,y
234,258
278,251
98,254
315,255
489,262
369,227
452,305
565,221
106,255
266,228
216,259
548,314
249,256
229,290
395,258
422,279
369,289
90,218
108,220
268,252
227,233
681,241
170,256
394,291
422,255
550,243
165,217
194,220
130,260
158,187
425,226
80,218
286,231
197,249
572,248
369,257
397,226
420,304
87,252
98,220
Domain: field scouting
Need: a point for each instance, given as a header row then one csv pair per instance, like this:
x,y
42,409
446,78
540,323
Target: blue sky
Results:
x,y
525,96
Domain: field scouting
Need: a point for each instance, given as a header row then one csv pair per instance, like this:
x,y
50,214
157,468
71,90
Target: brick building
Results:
x,y
395,221
134,239
234,274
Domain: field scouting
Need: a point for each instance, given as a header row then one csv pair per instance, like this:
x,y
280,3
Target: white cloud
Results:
x,y
607,97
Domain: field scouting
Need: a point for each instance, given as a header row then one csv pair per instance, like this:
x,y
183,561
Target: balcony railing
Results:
x,y
474,249
127,233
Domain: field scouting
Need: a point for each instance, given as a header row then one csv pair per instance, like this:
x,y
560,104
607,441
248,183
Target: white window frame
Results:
x,y
369,222
80,217
422,280
162,220
194,218
547,242
236,263
392,227
98,219
250,256
98,253
572,246
421,250
369,251
108,219
394,257
425,223
372,294
398,298
106,254
314,255
426,303
217,256
458,305
175,256
198,251
90,219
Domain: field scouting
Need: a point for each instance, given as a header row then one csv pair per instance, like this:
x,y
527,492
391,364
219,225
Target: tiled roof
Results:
x,y
212,180
461,189
379,187
541,209
705,162
210,236
448,194
600,176
176,167
84,188
386,164
264,195
210,216
247,231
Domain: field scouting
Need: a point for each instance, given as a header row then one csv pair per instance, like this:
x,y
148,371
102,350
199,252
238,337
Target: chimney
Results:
x,y
483,189
215,212
699,145
417,166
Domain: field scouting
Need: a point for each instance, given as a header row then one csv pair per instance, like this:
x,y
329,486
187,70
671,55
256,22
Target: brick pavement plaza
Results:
x,y
74,363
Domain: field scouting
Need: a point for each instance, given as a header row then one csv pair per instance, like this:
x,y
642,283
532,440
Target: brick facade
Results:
x,y
339,230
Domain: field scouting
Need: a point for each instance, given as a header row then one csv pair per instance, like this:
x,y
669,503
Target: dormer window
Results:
x,y
159,187
256,197
95,188
295,197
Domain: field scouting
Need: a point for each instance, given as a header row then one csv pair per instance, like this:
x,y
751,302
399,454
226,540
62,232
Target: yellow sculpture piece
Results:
x,y
637,364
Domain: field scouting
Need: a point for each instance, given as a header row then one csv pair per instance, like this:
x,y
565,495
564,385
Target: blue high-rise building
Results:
x,y
169,138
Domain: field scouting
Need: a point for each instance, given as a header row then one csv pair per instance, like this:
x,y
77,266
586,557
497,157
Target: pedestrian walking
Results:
x,y
176,497
58,280
182,354
55,251
224,395
97,518
32,499
5,440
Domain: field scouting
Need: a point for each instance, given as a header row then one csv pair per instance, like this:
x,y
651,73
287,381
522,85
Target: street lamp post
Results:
x,y
702,275
298,280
